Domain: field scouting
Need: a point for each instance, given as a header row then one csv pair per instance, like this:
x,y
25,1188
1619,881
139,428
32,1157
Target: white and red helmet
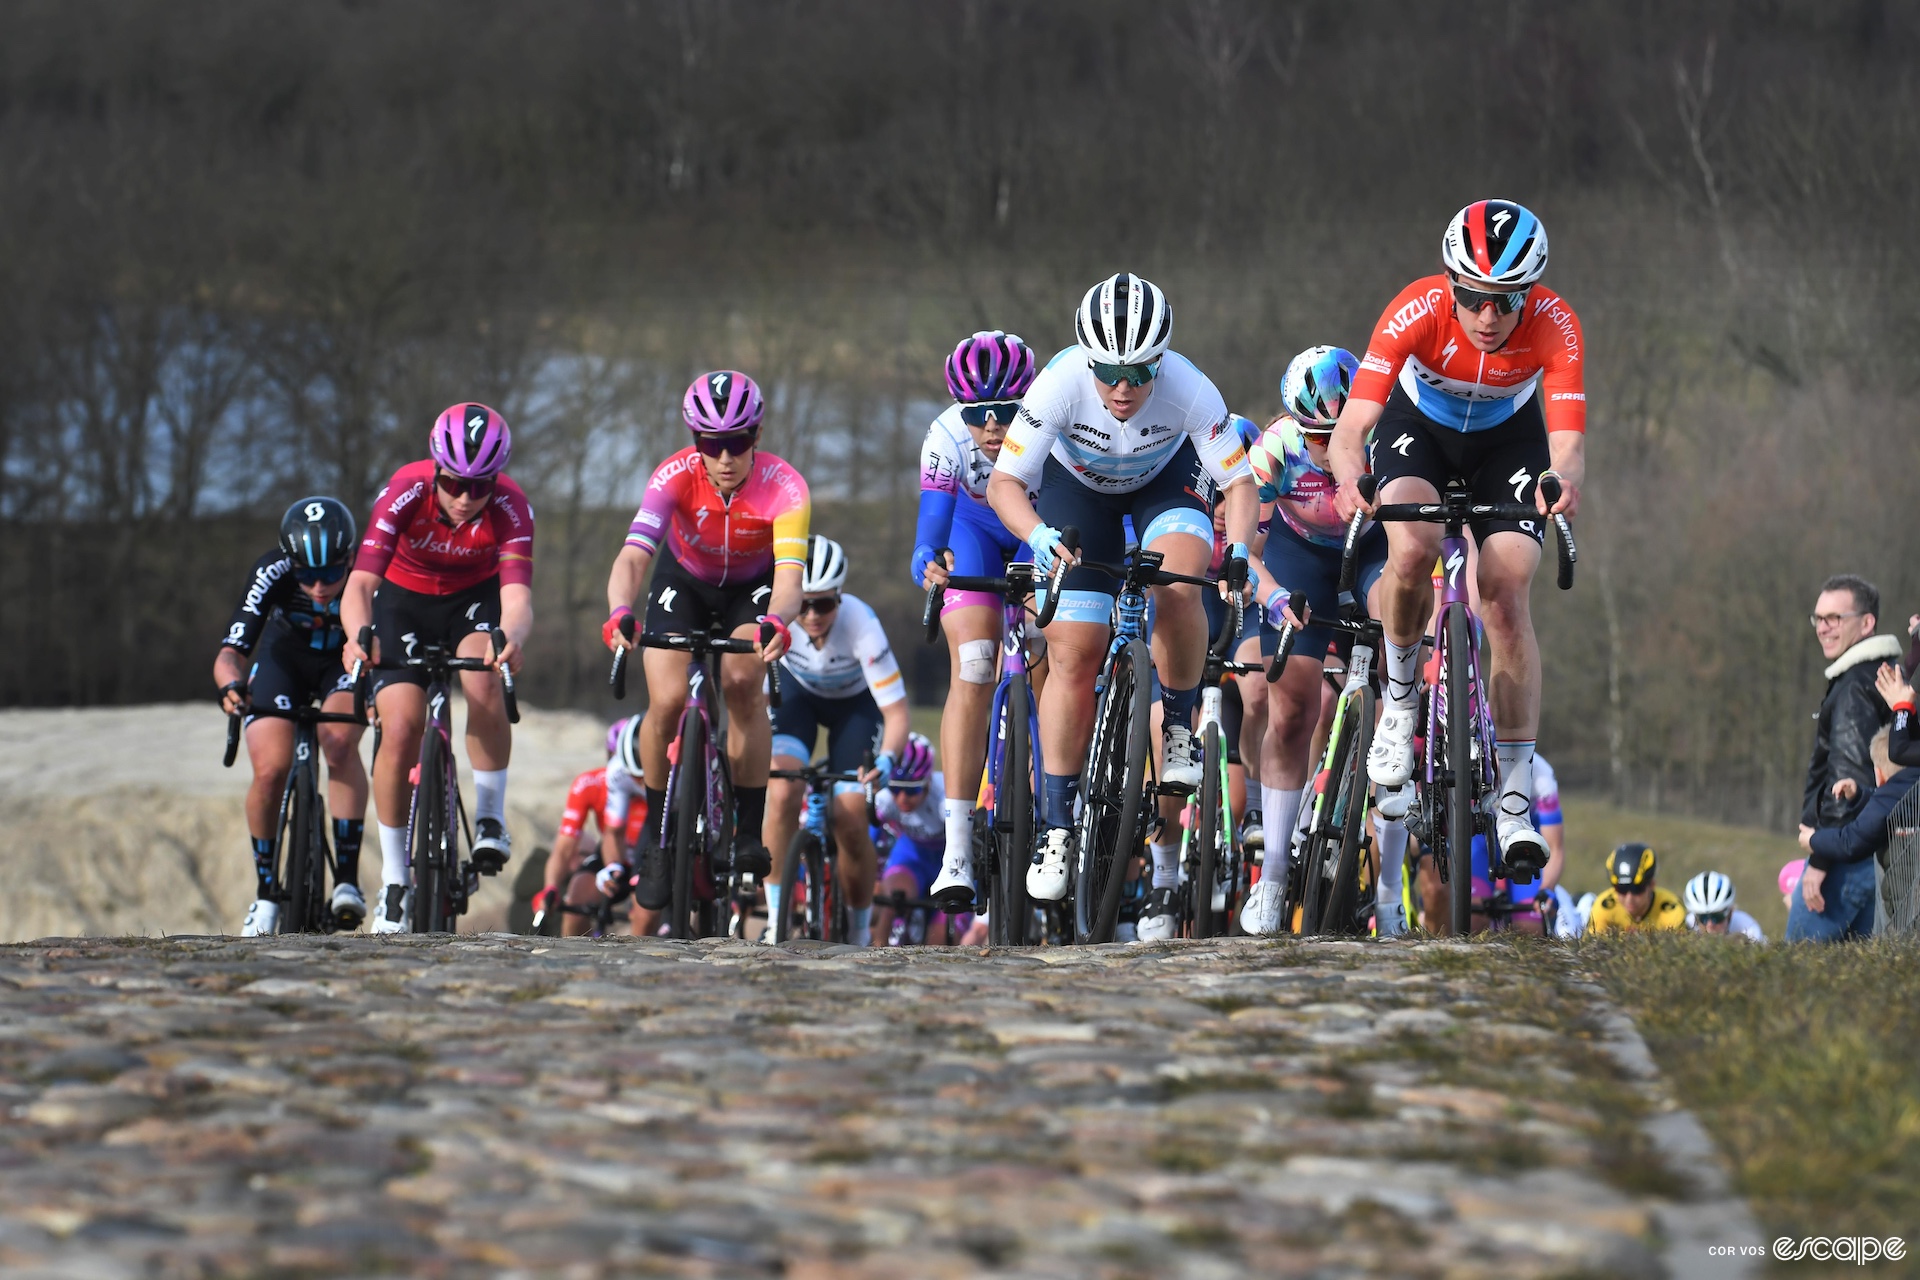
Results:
x,y
1497,241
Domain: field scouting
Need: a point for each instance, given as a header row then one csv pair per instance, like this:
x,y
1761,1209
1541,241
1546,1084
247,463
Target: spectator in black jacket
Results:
x,y
1840,775
1837,898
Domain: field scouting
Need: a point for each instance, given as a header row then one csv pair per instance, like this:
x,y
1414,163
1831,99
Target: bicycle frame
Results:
x,y
1454,598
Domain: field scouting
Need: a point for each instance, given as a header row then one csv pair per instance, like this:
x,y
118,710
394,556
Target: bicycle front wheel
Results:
x,y
303,857
1013,823
1460,795
689,807
1210,827
431,848
1113,787
1343,914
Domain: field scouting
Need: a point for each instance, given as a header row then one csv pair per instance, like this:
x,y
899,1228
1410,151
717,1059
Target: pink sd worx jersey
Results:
x,y
413,546
724,538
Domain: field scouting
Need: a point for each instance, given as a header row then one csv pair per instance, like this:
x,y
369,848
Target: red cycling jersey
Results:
x,y
721,538
1419,339
618,807
412,545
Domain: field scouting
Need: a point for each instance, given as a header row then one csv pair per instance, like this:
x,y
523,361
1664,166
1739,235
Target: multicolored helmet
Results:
x,y
990,365
723,402
613,735
1315,386
471,441
915,765
1497,241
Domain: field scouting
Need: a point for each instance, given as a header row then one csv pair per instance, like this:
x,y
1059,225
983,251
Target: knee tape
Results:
x,y
976,661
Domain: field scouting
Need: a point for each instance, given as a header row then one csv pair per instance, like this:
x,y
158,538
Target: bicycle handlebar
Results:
x,y
693,644
1296,604
1550,489
1018,581
299,715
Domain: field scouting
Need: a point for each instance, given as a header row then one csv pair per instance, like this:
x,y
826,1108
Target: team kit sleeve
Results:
x,y
265,586
792,517
876,658
1563,379
1035,428
512,518
393,509
939,495
1214,436
580,802
1408,319
664,488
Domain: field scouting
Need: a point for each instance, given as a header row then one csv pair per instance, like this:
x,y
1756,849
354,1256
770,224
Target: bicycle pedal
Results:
x,y
1174,790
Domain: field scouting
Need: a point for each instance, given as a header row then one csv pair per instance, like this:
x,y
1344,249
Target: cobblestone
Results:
x,y
506,1106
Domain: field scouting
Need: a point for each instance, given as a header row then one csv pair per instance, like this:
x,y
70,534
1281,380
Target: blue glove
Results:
x,y
883,765
1045,541
922,557
1276,603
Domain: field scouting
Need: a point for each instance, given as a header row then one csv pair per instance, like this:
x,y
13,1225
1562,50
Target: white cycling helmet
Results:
x,y
1124,320
626,751
1497,241
826,566
1708,893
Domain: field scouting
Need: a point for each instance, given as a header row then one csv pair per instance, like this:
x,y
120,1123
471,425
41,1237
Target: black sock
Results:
x,y
346,849
657,812
751,804
265,854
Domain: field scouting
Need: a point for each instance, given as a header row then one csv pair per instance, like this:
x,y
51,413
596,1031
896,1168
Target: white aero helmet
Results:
x,y
1708,893
1124,320
826,565
627,747
1497,241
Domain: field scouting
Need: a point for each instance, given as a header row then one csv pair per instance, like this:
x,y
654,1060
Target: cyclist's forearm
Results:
x,y
1568,451
785,600
230,667
895,721
516,611
356,602
628,576
1347,452
1008,498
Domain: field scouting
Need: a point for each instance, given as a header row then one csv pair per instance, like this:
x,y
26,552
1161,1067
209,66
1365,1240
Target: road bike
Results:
x,y
598,910
813,861
1120,775
306,856
443,880
1218,874
1003,845
1459,779
708,884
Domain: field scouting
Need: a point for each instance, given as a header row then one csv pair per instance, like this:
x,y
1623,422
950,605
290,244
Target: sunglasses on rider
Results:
x,y
739,445
458,487
1714,917
822,605
320,577
1001,411
1474,300
1113,375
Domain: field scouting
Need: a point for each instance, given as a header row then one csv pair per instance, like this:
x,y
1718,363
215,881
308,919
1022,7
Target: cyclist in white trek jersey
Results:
x,y
1120,426
839,675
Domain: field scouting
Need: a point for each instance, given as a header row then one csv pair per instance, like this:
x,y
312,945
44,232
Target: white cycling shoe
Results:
x,y
1390,918
1261,911
1157,919
1180,769
953,889
1392,803
1047,878
263,919
396,910
1390,758
1523,848
349,906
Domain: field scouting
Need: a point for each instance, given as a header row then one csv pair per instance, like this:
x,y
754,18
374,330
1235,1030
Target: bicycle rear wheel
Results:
x,y
1342,914
689,809
1209,830
804,857
1460,789
431,867
1113,786
1013,823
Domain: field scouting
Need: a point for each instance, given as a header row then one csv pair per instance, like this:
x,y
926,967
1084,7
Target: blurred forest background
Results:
x,y
248,250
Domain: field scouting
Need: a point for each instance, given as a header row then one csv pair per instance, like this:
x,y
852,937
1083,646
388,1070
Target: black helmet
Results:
x,y
319,533
1630,866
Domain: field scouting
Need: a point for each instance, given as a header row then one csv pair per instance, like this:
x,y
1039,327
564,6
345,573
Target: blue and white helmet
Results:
x,y
1708,893
1316,384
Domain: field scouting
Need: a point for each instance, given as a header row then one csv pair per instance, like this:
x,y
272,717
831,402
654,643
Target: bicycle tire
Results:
x,y
1342,914
836,911
1013,822
1460,791
1207,830
689,807
1322,842
1112,785
428,847
295,877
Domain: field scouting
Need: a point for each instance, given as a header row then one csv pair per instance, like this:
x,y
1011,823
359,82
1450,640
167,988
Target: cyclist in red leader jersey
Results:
x,y
734,521
1489,390
448,557
604,794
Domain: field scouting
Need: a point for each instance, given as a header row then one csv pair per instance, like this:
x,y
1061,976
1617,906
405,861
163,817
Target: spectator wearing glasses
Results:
x,y
1837,896
1840,774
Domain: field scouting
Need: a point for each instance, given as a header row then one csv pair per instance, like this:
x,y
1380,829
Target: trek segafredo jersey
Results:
x,y
1063,417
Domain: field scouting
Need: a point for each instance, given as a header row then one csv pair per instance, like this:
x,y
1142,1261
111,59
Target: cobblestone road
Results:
x,y
498,1106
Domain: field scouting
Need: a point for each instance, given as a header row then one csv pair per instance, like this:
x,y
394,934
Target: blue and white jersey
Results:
x,y
1064,418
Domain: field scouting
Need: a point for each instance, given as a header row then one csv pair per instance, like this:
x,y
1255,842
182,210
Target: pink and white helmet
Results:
x,y
471,441
722,402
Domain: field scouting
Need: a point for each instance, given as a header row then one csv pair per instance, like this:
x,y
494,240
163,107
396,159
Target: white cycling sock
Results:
x,y
1279,811
490,795
1403,675
1166,865
958,815
860,926
1516,776
773,903
393,854
1389,916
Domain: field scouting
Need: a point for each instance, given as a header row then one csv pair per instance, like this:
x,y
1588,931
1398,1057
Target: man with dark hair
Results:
x,y
1840,775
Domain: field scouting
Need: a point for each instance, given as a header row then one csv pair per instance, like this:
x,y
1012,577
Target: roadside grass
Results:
x,y
1802,1061
1686,846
